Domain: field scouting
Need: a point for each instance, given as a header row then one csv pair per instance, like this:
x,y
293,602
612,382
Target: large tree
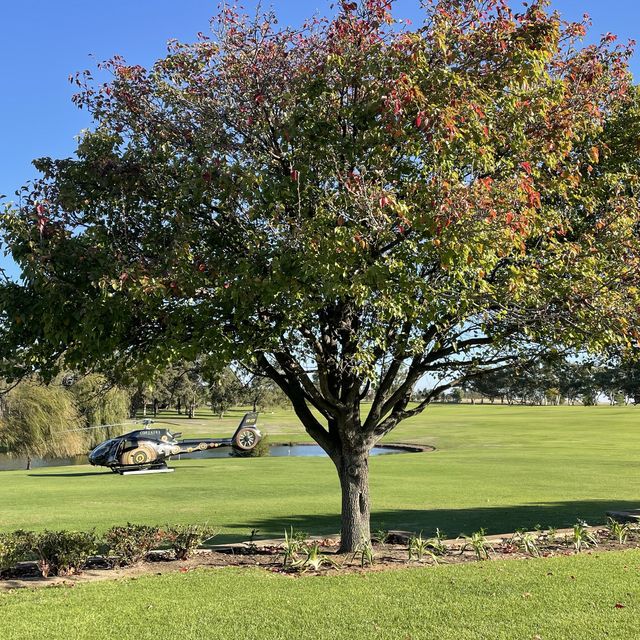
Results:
x,y
356,202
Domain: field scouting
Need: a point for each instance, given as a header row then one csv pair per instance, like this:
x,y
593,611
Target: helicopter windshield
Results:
x,y
103,448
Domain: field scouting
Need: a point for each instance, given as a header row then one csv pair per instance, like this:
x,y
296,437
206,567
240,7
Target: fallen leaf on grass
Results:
x,y
619,605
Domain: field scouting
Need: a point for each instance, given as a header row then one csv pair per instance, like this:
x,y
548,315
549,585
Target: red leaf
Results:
x,y
294,175
419,120
526,166
619,605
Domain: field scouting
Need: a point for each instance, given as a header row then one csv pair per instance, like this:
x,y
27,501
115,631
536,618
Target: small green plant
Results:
x,y
418,547
436,543
527,541
618,530
365,552
432,547
131,544
314,559
14,547
381,536
294,542
551,534
62,553
478,543
582,538
184,539
252,547
301,536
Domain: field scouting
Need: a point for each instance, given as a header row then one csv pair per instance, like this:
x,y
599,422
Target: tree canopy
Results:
x,y
356,199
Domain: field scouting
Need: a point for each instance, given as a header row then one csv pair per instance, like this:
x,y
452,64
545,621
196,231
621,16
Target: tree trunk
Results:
x,y
28,463
353,470
179,407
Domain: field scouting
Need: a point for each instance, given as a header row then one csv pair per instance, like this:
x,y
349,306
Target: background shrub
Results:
x,y
184,539
61,553
130,544
14,548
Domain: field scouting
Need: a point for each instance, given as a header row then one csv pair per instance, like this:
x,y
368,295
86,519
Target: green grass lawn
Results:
x,y
497,467
554,599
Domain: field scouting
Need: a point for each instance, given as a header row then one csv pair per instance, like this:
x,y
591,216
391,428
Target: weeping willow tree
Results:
x,y
99,403
39,421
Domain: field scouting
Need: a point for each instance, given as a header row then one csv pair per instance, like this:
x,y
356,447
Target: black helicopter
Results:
x,y
147,450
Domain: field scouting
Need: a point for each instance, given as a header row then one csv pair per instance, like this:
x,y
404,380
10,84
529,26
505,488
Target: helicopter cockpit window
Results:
x,y
104,447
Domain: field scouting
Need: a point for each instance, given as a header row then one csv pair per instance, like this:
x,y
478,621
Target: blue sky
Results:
x,y
43,41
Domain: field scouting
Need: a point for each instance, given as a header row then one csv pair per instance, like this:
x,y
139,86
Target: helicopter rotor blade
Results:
x,y
145,421
100,426
177,424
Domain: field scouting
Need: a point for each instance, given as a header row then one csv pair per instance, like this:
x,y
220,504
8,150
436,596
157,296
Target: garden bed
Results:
x,y
299,555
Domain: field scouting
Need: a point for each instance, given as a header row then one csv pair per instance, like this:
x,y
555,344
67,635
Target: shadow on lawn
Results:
x,y
81,474
70,475
452,522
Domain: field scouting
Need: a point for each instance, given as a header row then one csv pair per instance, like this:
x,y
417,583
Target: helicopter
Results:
x,y
148,450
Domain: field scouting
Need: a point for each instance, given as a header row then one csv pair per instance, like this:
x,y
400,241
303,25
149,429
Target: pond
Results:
x,y
277,450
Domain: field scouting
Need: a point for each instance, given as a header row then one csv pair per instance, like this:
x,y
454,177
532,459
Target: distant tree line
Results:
x,y
555,381
188,385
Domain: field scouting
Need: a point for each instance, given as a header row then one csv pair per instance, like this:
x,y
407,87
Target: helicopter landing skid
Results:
x,y
139,472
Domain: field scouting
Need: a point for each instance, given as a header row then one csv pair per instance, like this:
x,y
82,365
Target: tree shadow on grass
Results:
x,y
81,474
452,522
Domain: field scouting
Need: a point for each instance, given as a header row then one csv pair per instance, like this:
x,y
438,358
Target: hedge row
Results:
x,y
60,553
